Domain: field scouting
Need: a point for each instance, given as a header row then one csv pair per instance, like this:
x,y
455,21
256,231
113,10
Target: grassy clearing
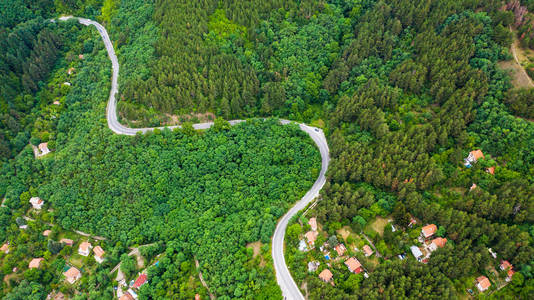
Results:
x,y
378,225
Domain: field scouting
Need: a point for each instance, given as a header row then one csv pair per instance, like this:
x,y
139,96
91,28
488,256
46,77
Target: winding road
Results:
x,y
287,284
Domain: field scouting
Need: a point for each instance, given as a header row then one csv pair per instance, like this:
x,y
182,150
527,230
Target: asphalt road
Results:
x,y
283,277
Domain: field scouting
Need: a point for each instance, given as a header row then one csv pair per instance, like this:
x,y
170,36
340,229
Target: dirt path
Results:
x,y
212,297
521,78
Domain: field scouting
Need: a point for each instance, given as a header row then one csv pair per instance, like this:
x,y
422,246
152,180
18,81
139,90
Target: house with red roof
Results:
x,y
437,243
140,281
340,249
326,275
354,265
473,157
313,224
483,283
428,230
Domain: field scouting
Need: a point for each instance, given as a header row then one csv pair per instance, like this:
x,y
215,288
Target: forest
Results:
x,y
403,89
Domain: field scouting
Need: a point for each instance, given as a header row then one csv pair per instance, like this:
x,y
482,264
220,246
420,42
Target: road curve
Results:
x,y
285,281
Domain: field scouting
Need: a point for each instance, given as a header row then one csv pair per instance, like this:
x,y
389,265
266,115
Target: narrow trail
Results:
x,y
285,281
514,53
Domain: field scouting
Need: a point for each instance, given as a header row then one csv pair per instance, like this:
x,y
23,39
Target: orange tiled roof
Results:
x,y
484,282
326,275
429,230
477,154
368,251
35,263
353,264
440,242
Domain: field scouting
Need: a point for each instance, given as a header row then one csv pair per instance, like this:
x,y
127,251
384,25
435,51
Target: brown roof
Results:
x,y
72,272
505,264
439,242
84,246
4,247
67,241
474,186
47,232
477,154
326,275
311,236
484,282
35,263
98,251
313,223
43,146
429,230
340,248
367,250
491,170
126,296
353,264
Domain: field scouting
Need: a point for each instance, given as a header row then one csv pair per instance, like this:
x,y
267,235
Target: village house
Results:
x,y
67,242
72,274
428,230
483,283
474,186
47,232
313,224
84,248
99,254
70,71
326,275
36,202
35,263
66,83
311,236
43,149
197,297
367,251
354,265
473,157
55,296
491,170
126,296
56,103
413,221
313,265
437,243
80,56
505,265
5,248
416,252
340,249
140,281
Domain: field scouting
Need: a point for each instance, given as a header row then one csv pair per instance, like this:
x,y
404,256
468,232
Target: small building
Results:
x,y
367,251
37,202
303,246
491,170
326,275
5,248
505,265
35,263
474,186
56,102
354,265
99,254
66,83
493,254
197,297
437,243
84,248
80,56
340,249
311,236
140,281
72,274
47,232
70,71
313,265
126,296
43,149
416,252
429,230
483,283
67,242
413,221
313,224
473,157
509,274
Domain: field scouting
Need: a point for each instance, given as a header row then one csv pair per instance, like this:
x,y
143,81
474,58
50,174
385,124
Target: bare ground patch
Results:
x,y
256,250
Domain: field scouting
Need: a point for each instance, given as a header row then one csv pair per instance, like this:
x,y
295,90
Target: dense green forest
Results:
x,y
403,89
